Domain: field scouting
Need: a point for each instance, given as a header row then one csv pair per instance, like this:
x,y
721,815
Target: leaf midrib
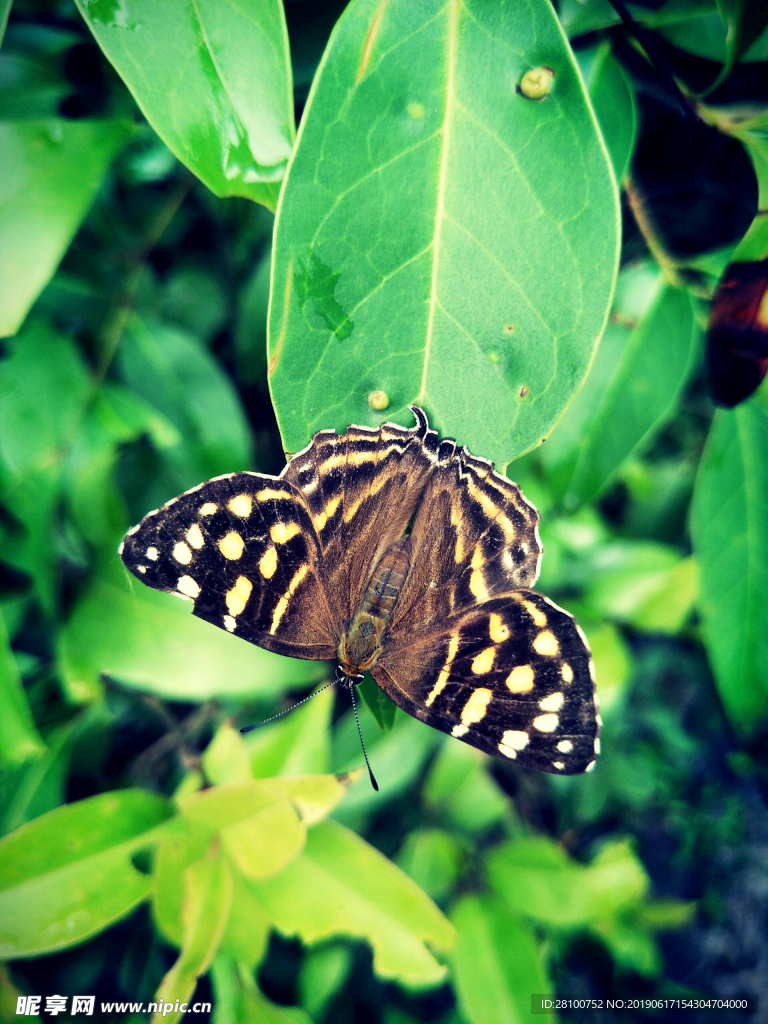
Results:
x,y
453,22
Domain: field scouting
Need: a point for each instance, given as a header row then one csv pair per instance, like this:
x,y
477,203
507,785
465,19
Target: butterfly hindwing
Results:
x,y
487,542
243,550
512,677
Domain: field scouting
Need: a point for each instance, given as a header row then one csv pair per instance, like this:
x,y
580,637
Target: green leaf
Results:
x,y
322,974
613,663
312,795
496,963
39,784
44,387
264,842
69,874
299,744
208,898
179,378
226,757
644,584
460,782
5,10
150,641
630,944
248,927
630,393
396,758
238,1000
214,81
19,739
433,859
381,706
729,525
613,101
441,237
342,886
745,21
536,879
51,171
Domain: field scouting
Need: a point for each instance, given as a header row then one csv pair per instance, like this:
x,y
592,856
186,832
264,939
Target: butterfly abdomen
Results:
x,y
362,640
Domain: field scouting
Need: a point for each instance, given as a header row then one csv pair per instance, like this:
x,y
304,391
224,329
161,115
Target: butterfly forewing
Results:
x,y
512,677
243,550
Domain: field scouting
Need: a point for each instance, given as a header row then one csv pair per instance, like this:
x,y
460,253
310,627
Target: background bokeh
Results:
x,y
141,370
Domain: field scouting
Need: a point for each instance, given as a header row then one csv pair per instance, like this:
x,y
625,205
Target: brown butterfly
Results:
x,y
320,563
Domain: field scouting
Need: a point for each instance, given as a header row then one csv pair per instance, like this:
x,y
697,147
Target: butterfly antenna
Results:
x,y
250,728
374,783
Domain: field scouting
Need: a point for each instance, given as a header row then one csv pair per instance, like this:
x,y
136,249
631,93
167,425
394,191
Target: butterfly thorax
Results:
x,y
361,642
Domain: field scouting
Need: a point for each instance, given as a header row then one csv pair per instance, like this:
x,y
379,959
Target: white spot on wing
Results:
x,y
188,587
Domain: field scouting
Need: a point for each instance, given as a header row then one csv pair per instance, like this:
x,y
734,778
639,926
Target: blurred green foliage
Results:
x,y
151,850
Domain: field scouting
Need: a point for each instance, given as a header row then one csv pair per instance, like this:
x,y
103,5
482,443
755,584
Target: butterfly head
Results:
x,y
348,680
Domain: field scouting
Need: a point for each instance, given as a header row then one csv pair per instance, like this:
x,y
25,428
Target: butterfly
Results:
x,y
399,554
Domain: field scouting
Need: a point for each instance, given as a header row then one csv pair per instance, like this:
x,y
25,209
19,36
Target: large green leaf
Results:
x,y
441,237
342,886
150,641
729,524
68,875
51,171
496,963
213,78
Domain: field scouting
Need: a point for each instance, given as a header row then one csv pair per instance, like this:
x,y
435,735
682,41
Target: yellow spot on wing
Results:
x,y
237,597
231,546
281,533
229,624
492,509
520,679
182,553
458,554
483,662
566,672
538,616
477,585
474,709
268,563
241,505
514,739
546,723
270,493
497,629
282,605
552,703
207,509
546,644
322,518
195,536
376,486
445,671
